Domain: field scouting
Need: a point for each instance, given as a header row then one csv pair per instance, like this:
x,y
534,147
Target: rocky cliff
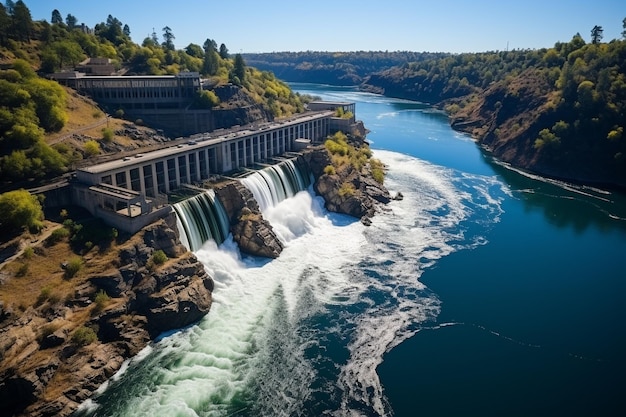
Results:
x,y
54,355
254,235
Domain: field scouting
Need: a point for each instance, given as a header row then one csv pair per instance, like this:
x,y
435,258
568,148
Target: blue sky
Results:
x,y
347,25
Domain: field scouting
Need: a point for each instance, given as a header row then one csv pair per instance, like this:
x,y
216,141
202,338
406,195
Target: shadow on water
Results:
x,y
564,204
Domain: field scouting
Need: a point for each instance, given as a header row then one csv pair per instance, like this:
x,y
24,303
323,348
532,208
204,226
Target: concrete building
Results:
x,y
132,192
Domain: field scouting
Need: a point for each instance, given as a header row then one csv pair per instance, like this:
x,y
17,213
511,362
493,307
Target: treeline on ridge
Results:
x,y
31,106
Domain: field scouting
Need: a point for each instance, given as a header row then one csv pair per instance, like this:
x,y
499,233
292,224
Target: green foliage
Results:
x,y
20,209
92,148
107,134
547,139
84,336
159,257
206,99
57,235
347,189
378,170
101,300
329,170
73,266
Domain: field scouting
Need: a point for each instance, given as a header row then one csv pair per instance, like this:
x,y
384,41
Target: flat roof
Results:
x,y
204,140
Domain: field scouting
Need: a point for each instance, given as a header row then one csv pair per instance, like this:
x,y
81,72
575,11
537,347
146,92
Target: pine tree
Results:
x,y
596,34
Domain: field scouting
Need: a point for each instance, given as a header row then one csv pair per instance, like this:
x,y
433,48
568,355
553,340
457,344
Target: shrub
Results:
x,y
92,148
347,189
119,113
47,329
20,209
29,252
378,172
57,235
329,170
44,294
101,300
107,134
159,257
73,267
84,336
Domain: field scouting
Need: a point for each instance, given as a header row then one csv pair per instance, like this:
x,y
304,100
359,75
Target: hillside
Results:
x,y
41,129
335,68
559,112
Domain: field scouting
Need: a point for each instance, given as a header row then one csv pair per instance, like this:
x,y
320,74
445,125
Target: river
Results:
x,y
484,292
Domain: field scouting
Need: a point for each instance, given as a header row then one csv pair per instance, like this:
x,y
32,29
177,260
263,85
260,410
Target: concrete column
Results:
x,y
155,181
177,171
127,175
196,155
142,181
188,167
166,176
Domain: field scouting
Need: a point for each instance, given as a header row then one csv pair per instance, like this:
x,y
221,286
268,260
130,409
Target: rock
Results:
x,y
55,339
255,236
113,284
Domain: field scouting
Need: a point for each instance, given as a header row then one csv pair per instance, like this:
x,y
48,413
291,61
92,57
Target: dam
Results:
x,y
131,192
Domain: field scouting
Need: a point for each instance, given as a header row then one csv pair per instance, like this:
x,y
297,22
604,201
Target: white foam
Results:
x,y
252,342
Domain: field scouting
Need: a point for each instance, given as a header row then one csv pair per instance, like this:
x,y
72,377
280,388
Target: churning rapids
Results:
x,y
304,334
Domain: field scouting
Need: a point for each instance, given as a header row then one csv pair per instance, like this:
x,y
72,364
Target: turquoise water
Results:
x,y
485,292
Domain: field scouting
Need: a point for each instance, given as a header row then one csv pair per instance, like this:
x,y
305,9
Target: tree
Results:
x,y
22,26
596,34
56,17
10,4
5,21
223,51
20,209
71,21
624,27
126,30
239,68
168,38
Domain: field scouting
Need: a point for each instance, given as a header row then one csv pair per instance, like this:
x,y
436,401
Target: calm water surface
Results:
x,y
485,292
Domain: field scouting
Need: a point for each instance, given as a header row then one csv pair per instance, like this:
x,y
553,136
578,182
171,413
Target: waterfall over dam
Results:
x,y
202,217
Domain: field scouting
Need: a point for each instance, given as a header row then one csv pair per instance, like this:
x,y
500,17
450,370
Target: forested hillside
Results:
x,y
32,108
335,68
558,111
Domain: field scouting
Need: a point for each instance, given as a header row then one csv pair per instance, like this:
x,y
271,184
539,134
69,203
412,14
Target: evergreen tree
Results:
x,y
239,70
223,51
10,4
210,62
22,26
624,27
596,34
56,17
5,21
126,31
168,38
71,21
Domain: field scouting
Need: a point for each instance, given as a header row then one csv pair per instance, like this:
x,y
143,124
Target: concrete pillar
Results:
x,y
142,181
155,180
196,155
177,171
166,176
127,175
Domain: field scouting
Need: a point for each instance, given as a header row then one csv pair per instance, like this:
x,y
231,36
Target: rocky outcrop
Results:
x,y
347,189
48,367
254,235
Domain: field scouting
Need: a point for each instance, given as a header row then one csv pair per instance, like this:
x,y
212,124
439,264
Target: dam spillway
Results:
x,y
131,192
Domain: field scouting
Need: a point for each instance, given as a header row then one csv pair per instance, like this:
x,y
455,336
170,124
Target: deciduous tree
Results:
x,y
20,209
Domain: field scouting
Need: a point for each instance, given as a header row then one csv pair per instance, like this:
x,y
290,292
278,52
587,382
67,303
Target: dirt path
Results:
x,y
22,242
